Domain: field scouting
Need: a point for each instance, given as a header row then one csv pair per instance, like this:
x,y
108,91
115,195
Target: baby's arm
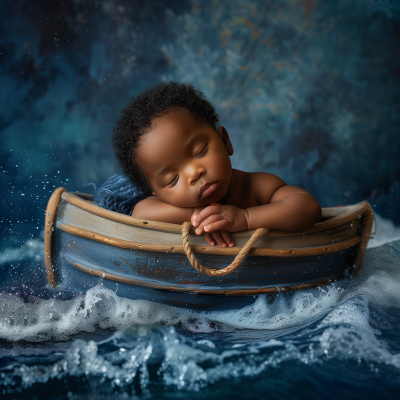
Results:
x,y
282,207
156,210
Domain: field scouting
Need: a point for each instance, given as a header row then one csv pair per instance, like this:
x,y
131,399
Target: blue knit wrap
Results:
x,y
118,194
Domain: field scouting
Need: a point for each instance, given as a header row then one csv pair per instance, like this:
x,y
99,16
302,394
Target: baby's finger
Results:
x,y
194,216
221,225
209,220
227,237
206,212
220,240
209,238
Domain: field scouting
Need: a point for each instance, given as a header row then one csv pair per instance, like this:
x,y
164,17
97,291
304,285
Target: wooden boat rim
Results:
x,y
210,250
50,219
355,211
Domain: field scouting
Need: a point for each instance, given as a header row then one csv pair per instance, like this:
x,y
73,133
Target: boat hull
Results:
x,y
142,259
169,278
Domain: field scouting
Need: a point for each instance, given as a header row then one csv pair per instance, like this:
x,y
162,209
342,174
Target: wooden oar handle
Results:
x,y
186,227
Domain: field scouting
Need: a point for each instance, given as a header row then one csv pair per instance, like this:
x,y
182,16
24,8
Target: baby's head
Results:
x,y
168,142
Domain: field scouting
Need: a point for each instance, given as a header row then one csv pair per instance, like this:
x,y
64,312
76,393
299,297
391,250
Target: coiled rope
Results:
x,y
187,226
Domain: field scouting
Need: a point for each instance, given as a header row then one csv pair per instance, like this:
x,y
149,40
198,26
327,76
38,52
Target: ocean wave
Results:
x,y
131,353
34,319
182,349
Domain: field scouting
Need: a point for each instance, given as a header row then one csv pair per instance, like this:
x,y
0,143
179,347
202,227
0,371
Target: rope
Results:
x,y
186,227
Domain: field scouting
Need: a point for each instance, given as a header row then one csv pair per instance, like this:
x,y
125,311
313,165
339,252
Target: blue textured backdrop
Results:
x,y
308,90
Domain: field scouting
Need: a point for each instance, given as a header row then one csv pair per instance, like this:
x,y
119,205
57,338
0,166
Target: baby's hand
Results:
x,y
223,238
216,217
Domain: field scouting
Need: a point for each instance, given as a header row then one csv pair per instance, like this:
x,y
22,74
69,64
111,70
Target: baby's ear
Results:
x,y
222,132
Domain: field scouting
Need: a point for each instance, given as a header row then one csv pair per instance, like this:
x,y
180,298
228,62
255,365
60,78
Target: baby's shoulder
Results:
x,y
261,178
263,185
144,206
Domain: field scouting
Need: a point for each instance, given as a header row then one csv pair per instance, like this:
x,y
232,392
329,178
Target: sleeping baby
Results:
x,y
168,141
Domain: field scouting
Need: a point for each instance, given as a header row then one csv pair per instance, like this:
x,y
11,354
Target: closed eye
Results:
x,y
203,152
174,181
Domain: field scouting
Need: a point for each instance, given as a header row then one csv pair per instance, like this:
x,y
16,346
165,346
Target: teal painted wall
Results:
x,y
308,90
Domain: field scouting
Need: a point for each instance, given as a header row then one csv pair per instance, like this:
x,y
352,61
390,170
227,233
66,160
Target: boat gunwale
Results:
x,y
210,250
353,212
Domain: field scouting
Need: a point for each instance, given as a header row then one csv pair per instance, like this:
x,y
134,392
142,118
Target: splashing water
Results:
x,y
343,333
37,319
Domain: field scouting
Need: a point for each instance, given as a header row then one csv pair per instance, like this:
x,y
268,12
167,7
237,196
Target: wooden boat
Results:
x,y
144,259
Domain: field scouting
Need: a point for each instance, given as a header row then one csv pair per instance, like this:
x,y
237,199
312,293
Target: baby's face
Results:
x,y
185,161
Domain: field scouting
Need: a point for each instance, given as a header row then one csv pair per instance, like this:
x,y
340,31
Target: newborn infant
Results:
x,y
168,141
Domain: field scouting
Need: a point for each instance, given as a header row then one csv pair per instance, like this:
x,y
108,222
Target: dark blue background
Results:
x,y
308,90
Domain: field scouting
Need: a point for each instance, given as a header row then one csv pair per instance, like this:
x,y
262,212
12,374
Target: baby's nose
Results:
x,y
196,174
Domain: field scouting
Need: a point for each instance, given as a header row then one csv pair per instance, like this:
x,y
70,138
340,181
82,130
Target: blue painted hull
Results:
x,y
170,279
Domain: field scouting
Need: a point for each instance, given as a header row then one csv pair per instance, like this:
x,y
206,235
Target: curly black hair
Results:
x,y
136,117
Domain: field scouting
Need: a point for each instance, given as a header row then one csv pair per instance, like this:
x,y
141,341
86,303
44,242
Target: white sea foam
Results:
x,y
39,319
386,232
283,312
345,334
383,288
348,334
